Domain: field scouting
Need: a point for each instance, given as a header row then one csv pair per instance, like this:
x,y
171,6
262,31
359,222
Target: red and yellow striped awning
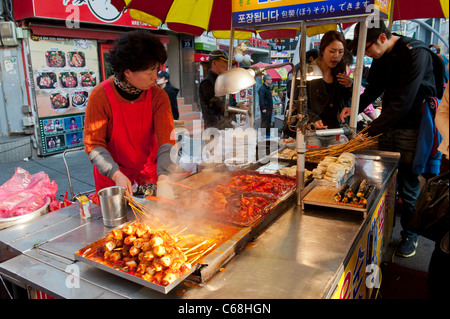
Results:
x,y
419,9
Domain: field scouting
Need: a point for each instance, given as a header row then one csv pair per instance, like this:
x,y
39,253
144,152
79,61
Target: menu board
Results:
x,y
64,73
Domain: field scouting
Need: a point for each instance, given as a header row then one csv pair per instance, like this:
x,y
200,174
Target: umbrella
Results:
x,y
277,74
194,17
415,9
419,9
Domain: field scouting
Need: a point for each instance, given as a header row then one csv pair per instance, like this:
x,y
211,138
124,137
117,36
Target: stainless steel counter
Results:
x,y
297,256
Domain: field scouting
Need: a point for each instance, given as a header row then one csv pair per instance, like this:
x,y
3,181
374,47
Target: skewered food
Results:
x,y
138,250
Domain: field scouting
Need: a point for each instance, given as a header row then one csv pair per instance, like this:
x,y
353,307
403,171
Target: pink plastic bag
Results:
x,y
25,193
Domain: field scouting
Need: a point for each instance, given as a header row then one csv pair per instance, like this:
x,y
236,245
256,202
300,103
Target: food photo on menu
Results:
x,y
79,99
46,80
55,59
68,79
59,100
76,59
88,79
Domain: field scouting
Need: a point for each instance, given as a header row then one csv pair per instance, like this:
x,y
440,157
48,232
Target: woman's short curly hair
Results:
x,y
136,51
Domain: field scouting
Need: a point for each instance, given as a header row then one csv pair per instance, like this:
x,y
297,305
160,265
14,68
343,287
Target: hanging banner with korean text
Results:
x,y
247,13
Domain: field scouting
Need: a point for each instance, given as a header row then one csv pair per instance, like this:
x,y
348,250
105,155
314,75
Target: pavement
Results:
x,y
398,273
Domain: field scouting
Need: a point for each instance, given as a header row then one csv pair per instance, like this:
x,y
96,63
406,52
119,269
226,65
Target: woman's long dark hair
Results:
x,y
327,38
136,51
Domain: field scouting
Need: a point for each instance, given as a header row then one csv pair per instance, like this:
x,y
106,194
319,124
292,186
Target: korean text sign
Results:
x,y
266,12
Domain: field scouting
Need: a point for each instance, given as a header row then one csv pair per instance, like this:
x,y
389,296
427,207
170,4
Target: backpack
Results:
x,y
438,66
430,217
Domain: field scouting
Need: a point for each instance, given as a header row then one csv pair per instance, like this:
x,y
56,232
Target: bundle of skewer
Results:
x,y
139,210
361,141
193,254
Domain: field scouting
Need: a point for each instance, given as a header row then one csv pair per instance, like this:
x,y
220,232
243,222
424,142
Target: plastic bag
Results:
x,y
24,193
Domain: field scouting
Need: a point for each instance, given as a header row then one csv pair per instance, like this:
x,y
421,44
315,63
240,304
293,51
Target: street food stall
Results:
x,y
320,253
231,233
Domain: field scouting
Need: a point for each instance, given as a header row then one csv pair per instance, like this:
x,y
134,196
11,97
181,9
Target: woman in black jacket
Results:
x,y
328,95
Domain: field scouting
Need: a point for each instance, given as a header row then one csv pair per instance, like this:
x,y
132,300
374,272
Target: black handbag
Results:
x,y
430,217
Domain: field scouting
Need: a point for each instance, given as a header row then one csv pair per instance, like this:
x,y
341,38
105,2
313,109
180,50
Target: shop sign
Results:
x,y
198,57
205,42
201,46
281,54
187,43
254,42
266,12
362,272
276,61
74,11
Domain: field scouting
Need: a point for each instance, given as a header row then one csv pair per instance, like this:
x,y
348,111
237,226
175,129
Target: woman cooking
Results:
x,y
328,95
128,118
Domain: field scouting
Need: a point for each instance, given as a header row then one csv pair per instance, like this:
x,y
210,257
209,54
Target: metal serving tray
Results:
x,y
136,279
320,195
7,222
212,262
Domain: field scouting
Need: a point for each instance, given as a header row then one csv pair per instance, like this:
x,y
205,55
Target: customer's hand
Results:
x,y
319,125
121,180
346,111
263,111
345,80
242,105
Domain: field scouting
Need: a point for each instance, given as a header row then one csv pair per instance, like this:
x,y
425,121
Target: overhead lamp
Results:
x,y
237,79
313,72
234,80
